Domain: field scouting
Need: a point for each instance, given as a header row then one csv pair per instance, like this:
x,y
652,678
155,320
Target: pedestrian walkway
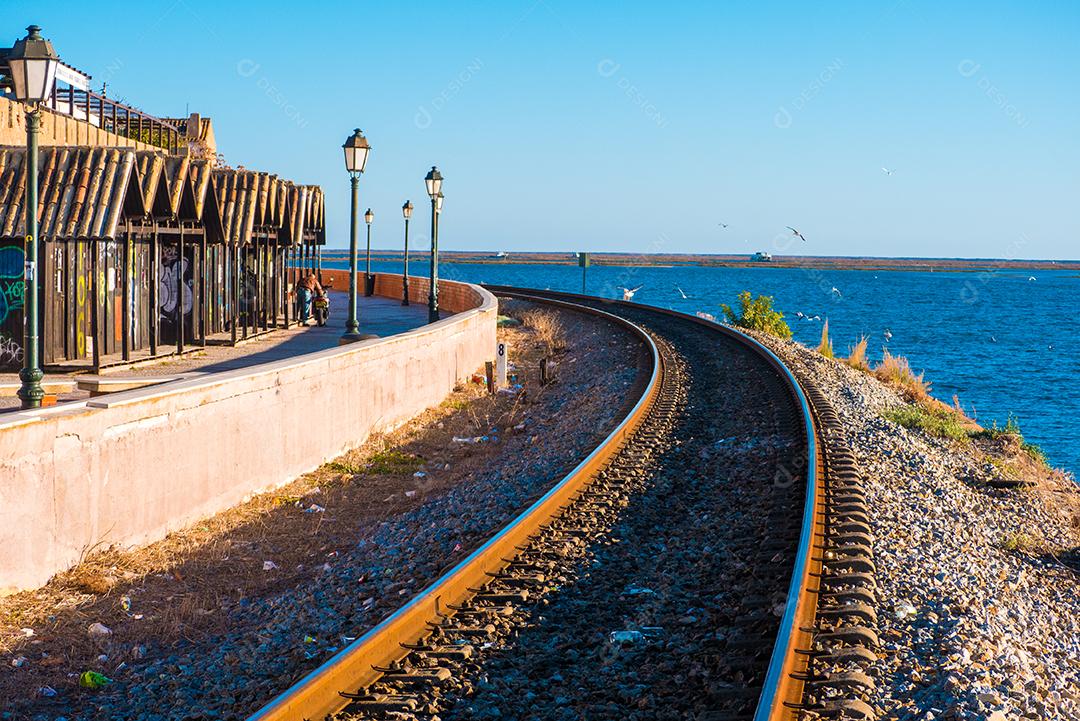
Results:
x,y
377,315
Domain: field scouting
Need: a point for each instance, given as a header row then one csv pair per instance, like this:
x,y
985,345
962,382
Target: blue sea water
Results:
x,y
1004,344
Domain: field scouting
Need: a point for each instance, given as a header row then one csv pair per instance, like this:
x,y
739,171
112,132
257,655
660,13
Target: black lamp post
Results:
x,y
32,65
356,154
406,210
433,181
369,280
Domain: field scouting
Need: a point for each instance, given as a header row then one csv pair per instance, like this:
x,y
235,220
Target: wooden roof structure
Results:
x,y
252,203
83,192
93,192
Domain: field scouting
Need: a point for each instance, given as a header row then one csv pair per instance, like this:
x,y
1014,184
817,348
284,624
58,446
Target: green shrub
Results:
x,y
757,314
941,423
1012,429
339,467
1021,542
391,461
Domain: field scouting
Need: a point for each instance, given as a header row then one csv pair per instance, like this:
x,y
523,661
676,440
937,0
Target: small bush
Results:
x,y
857,355
825,346
339,467
1021,542
896,371
940,422
547,327
1012,430
757,314
392,461
1036,452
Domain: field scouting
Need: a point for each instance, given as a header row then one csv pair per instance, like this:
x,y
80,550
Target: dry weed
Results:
x,y
896,372
547,328
857,356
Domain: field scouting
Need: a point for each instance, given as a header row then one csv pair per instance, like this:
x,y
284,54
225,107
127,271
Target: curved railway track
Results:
x,y
720,531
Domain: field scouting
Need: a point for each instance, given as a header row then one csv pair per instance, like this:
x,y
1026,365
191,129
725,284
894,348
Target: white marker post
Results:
x,y
500,365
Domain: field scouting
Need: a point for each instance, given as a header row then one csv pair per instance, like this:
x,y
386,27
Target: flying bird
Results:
x,y
722,225
797,233
1031,277
887,171
888,335
837,291
628,294
684,296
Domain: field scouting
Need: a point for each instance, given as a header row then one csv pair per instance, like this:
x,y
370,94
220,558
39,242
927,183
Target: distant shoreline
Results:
x,y
961,265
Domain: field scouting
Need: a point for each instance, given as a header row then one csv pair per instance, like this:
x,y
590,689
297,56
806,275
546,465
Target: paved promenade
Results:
x,y
378,316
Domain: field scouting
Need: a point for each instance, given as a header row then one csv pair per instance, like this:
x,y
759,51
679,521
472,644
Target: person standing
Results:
x,y
309,287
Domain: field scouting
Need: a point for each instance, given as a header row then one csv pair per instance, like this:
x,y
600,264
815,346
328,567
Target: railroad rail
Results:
x,y
822,642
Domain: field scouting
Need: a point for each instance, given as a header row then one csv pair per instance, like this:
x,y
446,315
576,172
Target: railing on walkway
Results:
x,y
123,120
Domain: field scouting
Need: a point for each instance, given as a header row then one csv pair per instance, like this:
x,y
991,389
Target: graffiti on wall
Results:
x,y
174,302
12,287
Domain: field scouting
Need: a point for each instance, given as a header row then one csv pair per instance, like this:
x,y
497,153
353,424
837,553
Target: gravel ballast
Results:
x,y
367,543
979,603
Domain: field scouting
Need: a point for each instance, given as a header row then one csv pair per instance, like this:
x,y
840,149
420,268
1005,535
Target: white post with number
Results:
x,y
500,365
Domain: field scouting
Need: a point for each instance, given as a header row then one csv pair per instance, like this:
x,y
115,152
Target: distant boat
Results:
x,y
501,254
761,257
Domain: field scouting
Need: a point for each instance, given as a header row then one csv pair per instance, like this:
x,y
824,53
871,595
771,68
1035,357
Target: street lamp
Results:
x,y
32,64
356,153
433,181
406,210
369,281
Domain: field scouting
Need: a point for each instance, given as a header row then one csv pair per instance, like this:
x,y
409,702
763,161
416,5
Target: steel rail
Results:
x,y
317,694
784,689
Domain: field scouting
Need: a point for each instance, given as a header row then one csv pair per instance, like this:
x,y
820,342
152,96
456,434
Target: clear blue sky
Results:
x,y
562,125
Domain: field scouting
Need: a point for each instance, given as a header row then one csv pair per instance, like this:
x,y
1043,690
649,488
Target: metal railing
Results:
x,y
117,118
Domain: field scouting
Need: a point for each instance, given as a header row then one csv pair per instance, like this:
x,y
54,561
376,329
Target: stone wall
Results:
x,y
125,469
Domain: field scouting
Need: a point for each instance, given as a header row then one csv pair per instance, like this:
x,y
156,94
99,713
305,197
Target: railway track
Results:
x,y
709,560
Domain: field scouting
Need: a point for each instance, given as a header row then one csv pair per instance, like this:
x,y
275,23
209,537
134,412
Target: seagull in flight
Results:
x,y
797,233
886,171
684,296
628,294
1031,277
837,291
722,225
888,335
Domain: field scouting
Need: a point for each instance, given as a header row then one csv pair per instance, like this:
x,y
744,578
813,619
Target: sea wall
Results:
x,y
125,469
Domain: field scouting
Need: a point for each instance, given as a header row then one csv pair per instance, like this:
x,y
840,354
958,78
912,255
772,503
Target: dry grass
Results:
x,y
189,585
547,327
896,371
857,355
825,346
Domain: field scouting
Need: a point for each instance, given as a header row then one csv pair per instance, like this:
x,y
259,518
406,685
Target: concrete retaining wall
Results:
x,y
126,469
